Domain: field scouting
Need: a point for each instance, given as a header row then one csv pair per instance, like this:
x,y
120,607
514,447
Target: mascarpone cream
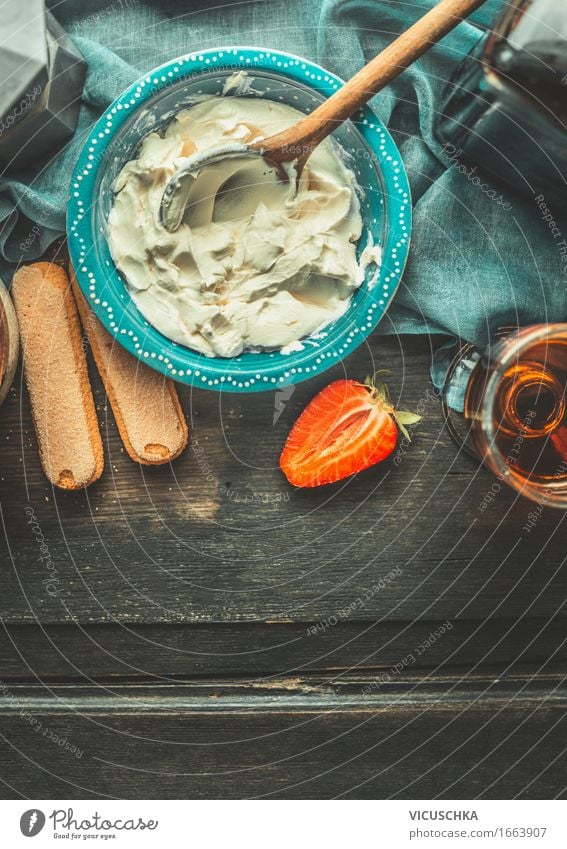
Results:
x,y
256,263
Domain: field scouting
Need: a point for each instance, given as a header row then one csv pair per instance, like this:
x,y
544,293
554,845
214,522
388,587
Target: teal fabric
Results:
x,y
475,263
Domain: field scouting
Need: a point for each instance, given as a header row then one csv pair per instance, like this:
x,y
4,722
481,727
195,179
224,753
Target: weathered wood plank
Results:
x,y
220,536
263,652
306,738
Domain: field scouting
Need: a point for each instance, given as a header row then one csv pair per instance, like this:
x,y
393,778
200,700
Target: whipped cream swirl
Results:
x,y
256,263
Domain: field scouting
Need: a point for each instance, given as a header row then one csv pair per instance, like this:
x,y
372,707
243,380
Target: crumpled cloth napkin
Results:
x,y
475,263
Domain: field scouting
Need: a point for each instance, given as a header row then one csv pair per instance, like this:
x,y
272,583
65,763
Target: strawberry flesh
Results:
x,y
345,429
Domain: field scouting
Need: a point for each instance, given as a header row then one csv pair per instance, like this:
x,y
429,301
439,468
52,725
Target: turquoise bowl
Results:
x,y
152,102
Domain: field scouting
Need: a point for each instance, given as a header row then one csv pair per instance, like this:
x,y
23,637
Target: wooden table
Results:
x,y
203,630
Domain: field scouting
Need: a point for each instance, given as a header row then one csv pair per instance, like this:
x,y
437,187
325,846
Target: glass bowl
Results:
x,y
149,104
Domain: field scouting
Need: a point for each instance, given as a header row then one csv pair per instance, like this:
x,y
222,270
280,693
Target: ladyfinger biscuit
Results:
x,y
55,368
145,403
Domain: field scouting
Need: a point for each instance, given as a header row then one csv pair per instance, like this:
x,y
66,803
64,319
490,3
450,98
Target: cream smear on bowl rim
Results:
x,y
260,265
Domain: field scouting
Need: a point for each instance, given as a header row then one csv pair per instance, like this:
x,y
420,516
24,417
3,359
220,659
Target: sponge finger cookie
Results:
x,y
145,403
56,374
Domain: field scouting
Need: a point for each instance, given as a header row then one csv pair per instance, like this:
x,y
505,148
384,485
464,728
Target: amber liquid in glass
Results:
x,y
529,412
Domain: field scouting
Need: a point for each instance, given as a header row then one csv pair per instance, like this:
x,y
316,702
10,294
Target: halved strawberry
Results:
x,y
346,428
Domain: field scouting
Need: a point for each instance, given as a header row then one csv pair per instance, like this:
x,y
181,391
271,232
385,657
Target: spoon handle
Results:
x,y
297,142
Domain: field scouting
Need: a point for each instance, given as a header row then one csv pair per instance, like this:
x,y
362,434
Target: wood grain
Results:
x,y
263,652
157,583
296,738
219,535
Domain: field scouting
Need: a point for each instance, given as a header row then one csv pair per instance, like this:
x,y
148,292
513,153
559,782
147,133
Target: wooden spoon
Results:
x,y
296,143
